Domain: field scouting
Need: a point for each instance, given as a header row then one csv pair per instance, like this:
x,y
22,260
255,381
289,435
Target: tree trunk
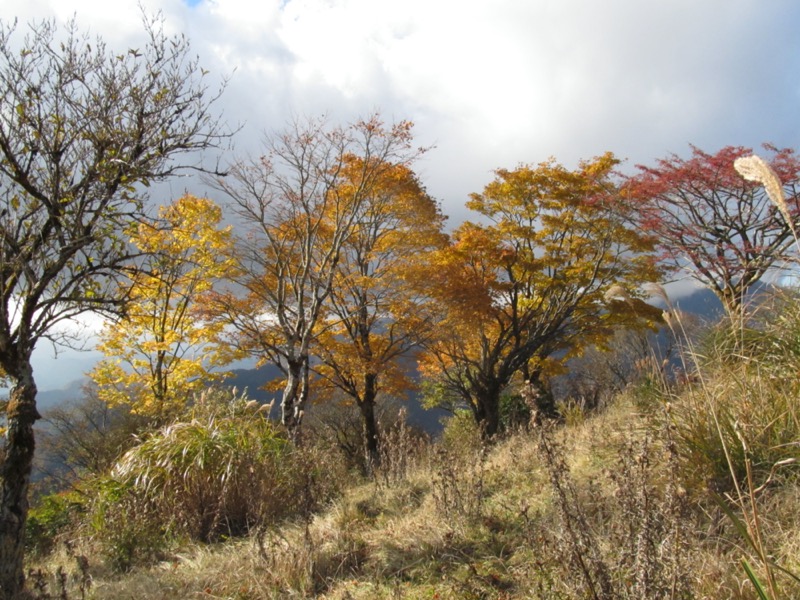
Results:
x,y
295,395
369,423
15,476
487,413
291,394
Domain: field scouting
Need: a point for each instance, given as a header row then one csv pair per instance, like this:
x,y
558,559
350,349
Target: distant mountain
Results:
x,y
50,398
703,303
253,380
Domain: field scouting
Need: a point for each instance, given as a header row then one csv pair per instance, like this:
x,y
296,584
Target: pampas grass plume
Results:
x,y
617,292
755,168
657,290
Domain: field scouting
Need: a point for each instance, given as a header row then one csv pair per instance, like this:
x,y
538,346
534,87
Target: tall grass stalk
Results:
x,y
755,168
745,501
678,330
735,364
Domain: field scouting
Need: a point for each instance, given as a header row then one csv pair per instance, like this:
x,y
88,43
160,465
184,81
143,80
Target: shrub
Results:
x,y
514,412
52,515
458,469
461,433
741,407
339,426
208,479
215,477
401,448
125,526
630,543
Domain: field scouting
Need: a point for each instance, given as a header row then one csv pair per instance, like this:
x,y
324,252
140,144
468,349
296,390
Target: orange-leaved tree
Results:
x,y
299,204
530,284
162,350
374,318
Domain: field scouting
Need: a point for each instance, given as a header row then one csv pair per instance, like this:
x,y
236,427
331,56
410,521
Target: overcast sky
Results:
x,y
489,83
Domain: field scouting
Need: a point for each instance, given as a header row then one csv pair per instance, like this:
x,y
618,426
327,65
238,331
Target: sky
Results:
x,y
488,83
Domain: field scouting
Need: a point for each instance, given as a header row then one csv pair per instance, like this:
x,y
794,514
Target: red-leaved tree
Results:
x,y
710,221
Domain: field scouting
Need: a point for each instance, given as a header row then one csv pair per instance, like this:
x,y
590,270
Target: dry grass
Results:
x,y
507,536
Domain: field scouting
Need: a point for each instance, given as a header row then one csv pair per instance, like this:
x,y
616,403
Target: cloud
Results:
x,y
495,83
490,84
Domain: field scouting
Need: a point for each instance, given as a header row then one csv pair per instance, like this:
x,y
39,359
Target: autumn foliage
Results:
x,y
163,350
377,309
528,289
299,205
337,269
83,132
712,222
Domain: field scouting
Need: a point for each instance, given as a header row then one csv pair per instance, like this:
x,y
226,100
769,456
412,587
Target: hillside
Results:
x,y
544,514
678,487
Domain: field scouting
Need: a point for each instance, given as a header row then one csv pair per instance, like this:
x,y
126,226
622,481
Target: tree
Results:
x,y
82,131
84,437
300,202
531,288
374,318
162,350
632,356
708,219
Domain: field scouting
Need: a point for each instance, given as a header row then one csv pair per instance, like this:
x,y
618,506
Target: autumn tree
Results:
x,y
299,204
162,350
710,221
82,131
374,318
554,269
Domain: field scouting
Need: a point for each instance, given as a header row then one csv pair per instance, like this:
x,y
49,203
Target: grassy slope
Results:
x,y
461,523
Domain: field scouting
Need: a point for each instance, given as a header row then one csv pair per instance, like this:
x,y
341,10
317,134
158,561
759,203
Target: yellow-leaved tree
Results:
x,y
374,318
163,350
529,285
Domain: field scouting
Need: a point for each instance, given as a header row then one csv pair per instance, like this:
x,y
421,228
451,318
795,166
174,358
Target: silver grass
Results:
x,y
755,168
617,292
658,291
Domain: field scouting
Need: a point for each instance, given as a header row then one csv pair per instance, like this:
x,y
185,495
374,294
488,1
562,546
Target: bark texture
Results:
x,y
15,476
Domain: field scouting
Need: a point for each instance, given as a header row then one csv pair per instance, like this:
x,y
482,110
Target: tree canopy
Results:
x,y
709,220
300,203
163,349
529,287
375,317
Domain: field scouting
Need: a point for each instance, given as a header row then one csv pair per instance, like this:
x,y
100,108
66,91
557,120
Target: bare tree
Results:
x,y
84,436
82,131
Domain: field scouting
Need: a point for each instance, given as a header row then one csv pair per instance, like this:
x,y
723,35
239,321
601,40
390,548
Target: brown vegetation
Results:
x,y
631,501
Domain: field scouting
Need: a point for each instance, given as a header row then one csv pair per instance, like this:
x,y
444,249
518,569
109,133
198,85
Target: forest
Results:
x,y
601,442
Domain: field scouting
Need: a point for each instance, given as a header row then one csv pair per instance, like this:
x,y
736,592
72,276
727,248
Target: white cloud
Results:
x,y
507,81
495,83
